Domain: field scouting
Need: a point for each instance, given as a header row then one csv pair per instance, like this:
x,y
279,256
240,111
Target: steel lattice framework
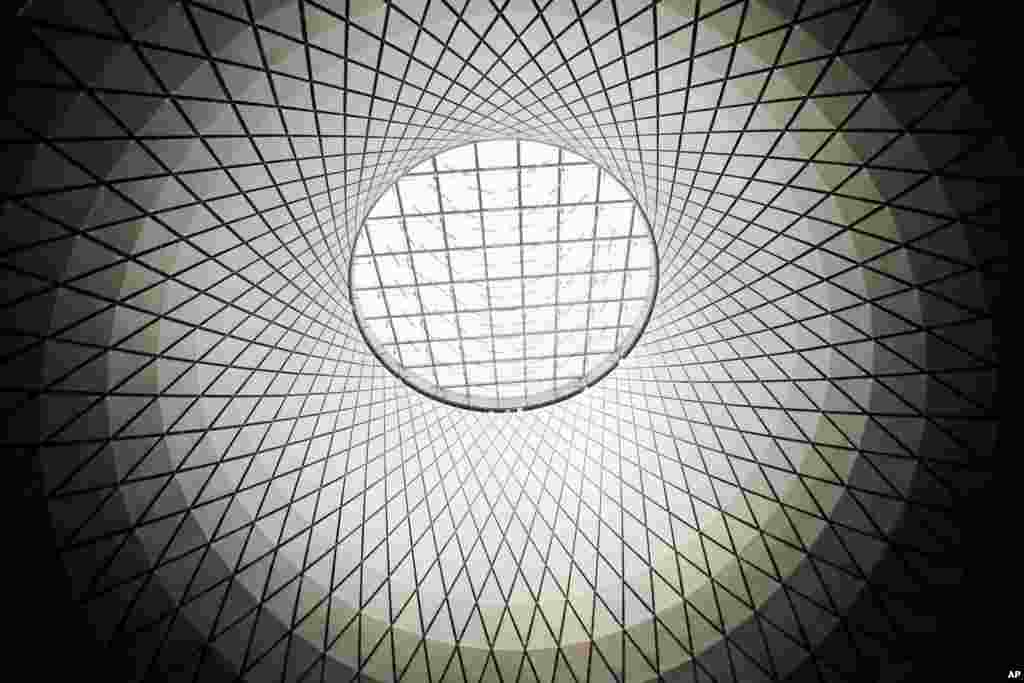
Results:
x,y
240,488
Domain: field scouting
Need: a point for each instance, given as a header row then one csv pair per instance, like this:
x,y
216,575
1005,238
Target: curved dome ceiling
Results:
x,y
239,486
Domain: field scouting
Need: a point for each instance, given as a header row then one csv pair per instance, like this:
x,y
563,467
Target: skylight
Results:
x,y
504,275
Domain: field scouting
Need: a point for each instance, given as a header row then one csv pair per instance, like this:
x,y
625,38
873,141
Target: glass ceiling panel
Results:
x,y
512,274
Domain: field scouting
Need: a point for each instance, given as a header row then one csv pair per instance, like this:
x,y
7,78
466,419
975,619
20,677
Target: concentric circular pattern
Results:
x,y
241,489
504,275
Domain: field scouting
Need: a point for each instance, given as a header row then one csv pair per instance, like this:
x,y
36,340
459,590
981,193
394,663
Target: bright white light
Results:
x,y
503,274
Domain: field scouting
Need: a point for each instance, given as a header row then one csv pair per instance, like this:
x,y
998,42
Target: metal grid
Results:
x,y
237,482
504,275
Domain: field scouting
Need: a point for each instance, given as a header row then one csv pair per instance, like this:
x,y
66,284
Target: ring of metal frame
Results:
x,y
531,401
